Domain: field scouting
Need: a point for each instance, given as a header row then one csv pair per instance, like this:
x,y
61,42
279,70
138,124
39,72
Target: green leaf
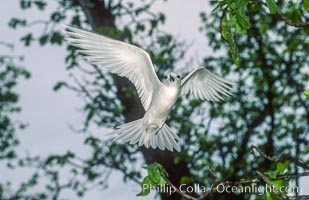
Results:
x,y
242,18
239,29
162,181
161,18
14,22
90,115
146,187
58,85
186,180
306,5
27,39
272,174
228,35
56,38
76,21
57,16
155,176
43,40
177,159
219,5
281,168
40,4
272,196
155,172
280,183
307,149
25,4
306,93
272,6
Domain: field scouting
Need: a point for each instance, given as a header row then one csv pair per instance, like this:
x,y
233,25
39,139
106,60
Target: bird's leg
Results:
x,y
152,129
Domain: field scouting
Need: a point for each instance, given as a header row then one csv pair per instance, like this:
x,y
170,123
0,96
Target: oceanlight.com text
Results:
x,y
223,188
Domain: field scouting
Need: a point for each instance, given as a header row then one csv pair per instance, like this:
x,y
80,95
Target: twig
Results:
x,y
282,158
37,22
293,175
6,44
212,174
298,25
274,190
301,197
186,196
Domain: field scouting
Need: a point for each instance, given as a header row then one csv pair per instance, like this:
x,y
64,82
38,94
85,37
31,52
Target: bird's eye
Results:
x,y
178,76
172,79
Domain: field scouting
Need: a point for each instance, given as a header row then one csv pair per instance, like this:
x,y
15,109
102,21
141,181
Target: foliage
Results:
x,y
306,93
259,112
10,72
234,19
156,176
281,169
267,59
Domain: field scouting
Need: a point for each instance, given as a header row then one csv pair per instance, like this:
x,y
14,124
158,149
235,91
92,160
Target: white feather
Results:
x,y
203,84
120,58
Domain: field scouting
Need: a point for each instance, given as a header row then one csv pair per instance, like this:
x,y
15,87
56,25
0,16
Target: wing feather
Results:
x,y
120,58
203,84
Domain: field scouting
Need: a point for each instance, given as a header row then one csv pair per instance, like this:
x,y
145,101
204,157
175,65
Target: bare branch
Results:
x,y
301,197
281,158
184,195
6,44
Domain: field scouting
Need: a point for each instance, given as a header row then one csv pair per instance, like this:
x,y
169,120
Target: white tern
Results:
x,y
157,97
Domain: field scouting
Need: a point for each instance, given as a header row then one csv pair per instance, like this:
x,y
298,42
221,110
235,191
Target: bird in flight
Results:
x,y
157,97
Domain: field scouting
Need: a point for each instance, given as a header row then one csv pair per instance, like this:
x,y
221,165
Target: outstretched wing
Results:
x,y
203,84
120,58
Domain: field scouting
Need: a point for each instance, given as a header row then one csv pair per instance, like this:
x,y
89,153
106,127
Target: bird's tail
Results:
x,y
134,132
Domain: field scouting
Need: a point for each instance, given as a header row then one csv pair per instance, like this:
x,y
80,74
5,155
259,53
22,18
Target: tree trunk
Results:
x,y
99,15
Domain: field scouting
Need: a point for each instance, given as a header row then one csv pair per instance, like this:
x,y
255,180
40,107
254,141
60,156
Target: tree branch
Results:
x,y
262,178
281,158
287,21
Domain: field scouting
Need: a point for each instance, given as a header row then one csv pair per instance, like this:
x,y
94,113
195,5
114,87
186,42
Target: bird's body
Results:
x,y
161,104
157,97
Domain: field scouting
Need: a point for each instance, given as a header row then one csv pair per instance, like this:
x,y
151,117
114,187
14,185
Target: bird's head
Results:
x,y
173,78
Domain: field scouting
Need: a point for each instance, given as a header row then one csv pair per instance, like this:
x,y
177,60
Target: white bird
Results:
x,y
157,97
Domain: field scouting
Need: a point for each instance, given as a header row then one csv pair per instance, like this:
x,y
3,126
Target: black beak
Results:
x,y
172,79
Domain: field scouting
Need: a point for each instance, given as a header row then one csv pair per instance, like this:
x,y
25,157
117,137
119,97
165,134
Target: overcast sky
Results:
x,y
48,113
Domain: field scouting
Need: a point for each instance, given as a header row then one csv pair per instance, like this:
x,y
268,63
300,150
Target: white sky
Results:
x,y
49,113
